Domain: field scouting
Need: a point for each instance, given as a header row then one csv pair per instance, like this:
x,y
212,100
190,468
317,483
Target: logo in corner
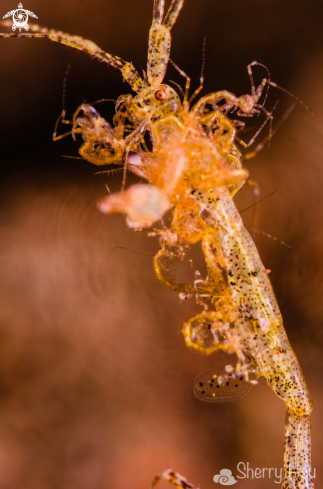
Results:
x,y
225,478
20,18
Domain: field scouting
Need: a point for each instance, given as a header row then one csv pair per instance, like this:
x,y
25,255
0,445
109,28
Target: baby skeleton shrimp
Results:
x,y
195,169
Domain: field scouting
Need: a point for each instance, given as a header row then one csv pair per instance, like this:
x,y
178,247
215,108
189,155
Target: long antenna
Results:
x,y
259,201
64,89
296,98
197,91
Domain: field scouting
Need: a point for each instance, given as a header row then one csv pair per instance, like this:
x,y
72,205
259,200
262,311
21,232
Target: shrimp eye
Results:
x,y
161,94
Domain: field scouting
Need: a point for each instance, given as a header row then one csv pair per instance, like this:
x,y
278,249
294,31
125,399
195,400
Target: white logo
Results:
x,y
20,18
225,478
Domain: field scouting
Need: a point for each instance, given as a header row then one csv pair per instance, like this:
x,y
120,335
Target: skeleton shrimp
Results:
x,y
194,169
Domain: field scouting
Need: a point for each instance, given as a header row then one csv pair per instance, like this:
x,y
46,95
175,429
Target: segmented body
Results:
x,y
263,338
194,168
246,315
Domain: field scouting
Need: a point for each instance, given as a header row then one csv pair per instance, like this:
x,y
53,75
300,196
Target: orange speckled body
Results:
x,y
193,167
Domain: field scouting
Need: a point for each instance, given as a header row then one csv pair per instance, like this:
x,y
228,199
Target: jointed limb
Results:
x,y
128,71
165,272
174,478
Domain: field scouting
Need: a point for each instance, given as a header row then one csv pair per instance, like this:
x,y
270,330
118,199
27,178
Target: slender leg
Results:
x,y
165,272
225,126
128,71
174,478
209,332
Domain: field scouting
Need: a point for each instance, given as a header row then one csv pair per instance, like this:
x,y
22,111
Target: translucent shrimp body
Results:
x,y
194,168
264,341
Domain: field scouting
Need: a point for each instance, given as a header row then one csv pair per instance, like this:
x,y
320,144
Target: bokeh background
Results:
x,y
96,384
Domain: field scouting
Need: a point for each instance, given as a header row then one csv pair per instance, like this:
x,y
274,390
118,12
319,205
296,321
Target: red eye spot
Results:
x,y
161,95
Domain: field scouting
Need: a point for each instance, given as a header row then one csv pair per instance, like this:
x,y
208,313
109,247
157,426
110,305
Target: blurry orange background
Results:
x,y
96,384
